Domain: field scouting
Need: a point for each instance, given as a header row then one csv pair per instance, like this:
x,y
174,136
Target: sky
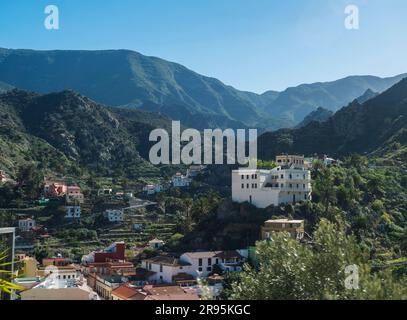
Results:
x,y
253,45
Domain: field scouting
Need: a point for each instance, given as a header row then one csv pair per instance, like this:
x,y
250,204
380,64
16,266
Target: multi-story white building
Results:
x,y
26,224
181,181
195,264
114,215
73,212
290,182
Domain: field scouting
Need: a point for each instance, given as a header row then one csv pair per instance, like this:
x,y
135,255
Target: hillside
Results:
x,y
130,79
72,133
357,128
127,78
319,115
5,87
297,102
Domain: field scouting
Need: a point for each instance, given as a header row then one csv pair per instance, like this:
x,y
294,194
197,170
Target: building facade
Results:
x,y
73,212
294,227
290,182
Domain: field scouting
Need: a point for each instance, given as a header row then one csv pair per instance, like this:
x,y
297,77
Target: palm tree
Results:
x,y
5,276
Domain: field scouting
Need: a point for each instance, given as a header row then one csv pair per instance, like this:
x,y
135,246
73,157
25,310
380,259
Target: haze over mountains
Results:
x,y
379,126
130,79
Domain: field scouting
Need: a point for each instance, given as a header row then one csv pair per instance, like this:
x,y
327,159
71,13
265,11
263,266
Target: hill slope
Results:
x,y
296,103
128,78
74,131
357,128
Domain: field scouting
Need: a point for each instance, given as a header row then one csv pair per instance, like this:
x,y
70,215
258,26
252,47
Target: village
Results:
x,y
136,261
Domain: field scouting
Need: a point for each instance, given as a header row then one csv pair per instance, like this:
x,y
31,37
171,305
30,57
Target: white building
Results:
x,y
151,189
165,268
73,212
290,182
26,224
156,244
196,264
180,181
114,215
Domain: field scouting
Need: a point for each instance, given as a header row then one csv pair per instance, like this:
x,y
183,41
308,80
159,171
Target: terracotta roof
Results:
x,y
168,293
126,292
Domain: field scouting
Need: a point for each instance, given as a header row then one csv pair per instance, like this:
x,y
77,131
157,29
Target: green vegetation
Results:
x,y
290,270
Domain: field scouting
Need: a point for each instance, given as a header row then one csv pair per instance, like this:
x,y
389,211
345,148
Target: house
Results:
x,y
114,215
55,188
73,212
115,252
58,262
30,267
156,244
58,289
122,268
151,189
180,181
167,293
105,191
294,227
290,182
69,272
74,195
230,261
26,225
127,292
105,284
168,269
164,268
153,292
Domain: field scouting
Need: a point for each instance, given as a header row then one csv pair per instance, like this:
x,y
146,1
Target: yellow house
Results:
x,y
294,227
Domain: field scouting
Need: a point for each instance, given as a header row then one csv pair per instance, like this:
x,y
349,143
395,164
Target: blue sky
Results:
x,y
254,45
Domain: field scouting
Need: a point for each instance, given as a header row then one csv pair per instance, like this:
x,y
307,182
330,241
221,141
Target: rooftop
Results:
x,y
277,221
168,261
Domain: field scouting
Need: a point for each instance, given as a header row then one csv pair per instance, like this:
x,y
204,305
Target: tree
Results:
x,y
30,179
291,270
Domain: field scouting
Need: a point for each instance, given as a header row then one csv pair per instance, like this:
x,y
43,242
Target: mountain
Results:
x,y
357,128
319,115
297,102
65,131
129,79
4,87
369,94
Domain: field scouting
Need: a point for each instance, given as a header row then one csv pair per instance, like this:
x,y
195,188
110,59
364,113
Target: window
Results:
x,y
209,261
242,185
248,186
305,197
209,269
200,262
200,269
247,177
282,176
242,177
161,268
217,261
